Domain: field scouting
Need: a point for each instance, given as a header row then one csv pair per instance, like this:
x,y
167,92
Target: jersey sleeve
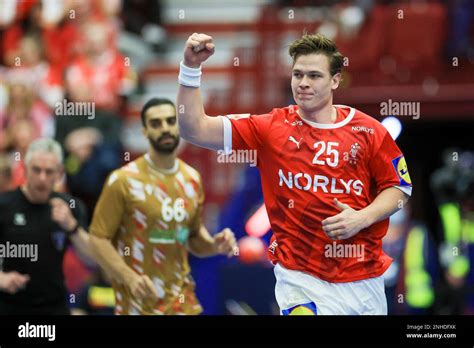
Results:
x,y
388,166
110,207
245,131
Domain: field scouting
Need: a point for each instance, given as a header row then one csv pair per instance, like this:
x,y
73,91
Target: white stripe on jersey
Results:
x,y
227,126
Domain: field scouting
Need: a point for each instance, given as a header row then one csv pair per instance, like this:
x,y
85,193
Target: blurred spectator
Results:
x,y
56,24
23,105
61,41
28,22
81,143
65,39
100,74
90,159
36,73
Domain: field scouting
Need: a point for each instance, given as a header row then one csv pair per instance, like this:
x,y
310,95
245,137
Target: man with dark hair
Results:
x,y
331,177
153,102
147,218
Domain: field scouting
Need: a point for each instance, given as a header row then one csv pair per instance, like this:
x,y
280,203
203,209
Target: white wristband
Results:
x,y
190,77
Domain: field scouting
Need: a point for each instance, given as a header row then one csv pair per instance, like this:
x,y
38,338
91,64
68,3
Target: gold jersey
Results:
x,y
149,214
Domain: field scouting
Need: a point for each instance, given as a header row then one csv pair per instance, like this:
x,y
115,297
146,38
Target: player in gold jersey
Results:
x,y
147,219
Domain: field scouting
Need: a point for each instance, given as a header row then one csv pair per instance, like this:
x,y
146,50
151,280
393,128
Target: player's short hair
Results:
x,y
317,43
153,102
44,145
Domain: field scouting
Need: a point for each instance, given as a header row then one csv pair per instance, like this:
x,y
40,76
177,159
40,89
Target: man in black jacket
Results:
x,y
36,227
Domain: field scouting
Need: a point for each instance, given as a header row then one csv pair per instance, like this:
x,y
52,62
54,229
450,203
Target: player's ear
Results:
x,y
336,79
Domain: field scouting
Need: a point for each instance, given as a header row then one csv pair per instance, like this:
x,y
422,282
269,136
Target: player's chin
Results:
x,y
164,147
307,105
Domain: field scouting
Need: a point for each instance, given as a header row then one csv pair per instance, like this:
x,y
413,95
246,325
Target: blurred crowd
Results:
x,y
62,76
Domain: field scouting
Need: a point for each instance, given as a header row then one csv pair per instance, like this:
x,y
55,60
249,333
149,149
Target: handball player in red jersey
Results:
x,y
331,177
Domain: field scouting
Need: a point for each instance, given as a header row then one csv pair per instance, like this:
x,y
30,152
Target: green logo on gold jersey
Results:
x,y
169,236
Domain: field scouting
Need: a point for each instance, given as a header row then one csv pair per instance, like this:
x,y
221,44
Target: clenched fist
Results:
x,y
61,214
198,48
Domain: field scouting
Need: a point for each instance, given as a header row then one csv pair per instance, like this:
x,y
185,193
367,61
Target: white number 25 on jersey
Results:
x,y
332,155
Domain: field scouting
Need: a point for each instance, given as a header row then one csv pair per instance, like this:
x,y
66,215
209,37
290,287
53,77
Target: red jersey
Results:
x,y
305,165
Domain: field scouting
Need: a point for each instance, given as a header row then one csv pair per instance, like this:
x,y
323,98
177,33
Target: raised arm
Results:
x,y
194,125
